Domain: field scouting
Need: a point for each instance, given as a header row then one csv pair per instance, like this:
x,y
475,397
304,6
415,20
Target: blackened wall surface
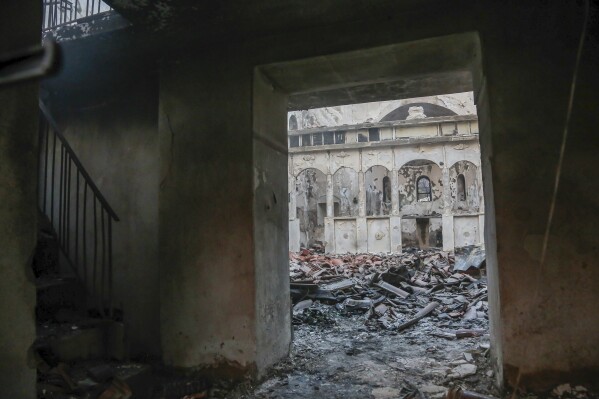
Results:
x,y
108,112
19,27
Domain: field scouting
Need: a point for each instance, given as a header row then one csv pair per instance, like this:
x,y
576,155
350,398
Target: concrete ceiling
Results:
x,y
222,19
420,68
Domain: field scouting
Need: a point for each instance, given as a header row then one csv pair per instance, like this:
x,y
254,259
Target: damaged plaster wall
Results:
x,y
378,168
378,191
409,175
373,167
345,188
460,103
310,191
464,184
422,232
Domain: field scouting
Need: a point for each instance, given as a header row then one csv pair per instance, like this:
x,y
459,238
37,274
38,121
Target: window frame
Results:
x,y
339,137
306,144
374,131
429,195
291,141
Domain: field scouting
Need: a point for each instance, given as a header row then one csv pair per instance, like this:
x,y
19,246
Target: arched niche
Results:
x,y
428,110
464,187
292,123
427,173
377,186
346,189
310,193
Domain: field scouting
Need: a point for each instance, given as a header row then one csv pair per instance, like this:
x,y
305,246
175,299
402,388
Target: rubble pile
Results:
x,y
393,291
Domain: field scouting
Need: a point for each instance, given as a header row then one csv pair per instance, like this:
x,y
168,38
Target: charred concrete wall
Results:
x,y
19,28
112,125
524,88
224,276
208,279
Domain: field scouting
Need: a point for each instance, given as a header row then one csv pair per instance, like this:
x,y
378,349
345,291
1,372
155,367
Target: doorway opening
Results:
x,y
384,277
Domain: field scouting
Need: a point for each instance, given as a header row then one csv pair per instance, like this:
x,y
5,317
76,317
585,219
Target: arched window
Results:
x,y
461,188
292,122
423,189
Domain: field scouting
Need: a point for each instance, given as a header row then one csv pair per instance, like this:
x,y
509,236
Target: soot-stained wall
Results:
x,y
408,178
465,191
113,128
345,187
378,191
20,23
311,186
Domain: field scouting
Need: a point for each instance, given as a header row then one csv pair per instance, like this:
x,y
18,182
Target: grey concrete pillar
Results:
x,y
18,230
447,218
448,235
292,197
329,234
481,228
395,233
362,234
18,205
224,293
447,201
361,195
394,192
330,197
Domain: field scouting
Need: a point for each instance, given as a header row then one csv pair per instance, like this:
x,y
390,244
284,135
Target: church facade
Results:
x,y
380,177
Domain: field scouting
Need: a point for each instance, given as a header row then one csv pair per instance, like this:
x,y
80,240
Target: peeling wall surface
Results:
x,y
409,176
311,192
346,191
459,103
412,196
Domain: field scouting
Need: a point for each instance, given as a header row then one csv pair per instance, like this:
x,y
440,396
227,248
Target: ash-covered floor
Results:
x,y
341,357
352,337
357,333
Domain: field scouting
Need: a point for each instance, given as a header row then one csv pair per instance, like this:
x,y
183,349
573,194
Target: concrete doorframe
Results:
x,y
402,70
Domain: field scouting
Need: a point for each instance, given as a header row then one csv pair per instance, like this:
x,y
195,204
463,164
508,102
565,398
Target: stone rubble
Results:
x,y
390,289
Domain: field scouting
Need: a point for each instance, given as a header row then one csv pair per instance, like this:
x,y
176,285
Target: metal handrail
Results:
x,y
77,162
61,12
64,200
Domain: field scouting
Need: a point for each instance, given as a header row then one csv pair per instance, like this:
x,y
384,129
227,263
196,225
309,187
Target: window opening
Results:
x,y
461,188
423,189
306,142
294,141
292,123
329,138
317,139
374,134
339,137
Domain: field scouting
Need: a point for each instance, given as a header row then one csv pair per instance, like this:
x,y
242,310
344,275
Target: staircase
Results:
x,y
75,311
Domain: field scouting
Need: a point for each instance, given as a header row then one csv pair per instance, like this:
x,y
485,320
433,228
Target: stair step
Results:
x,y
60,299
84,340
